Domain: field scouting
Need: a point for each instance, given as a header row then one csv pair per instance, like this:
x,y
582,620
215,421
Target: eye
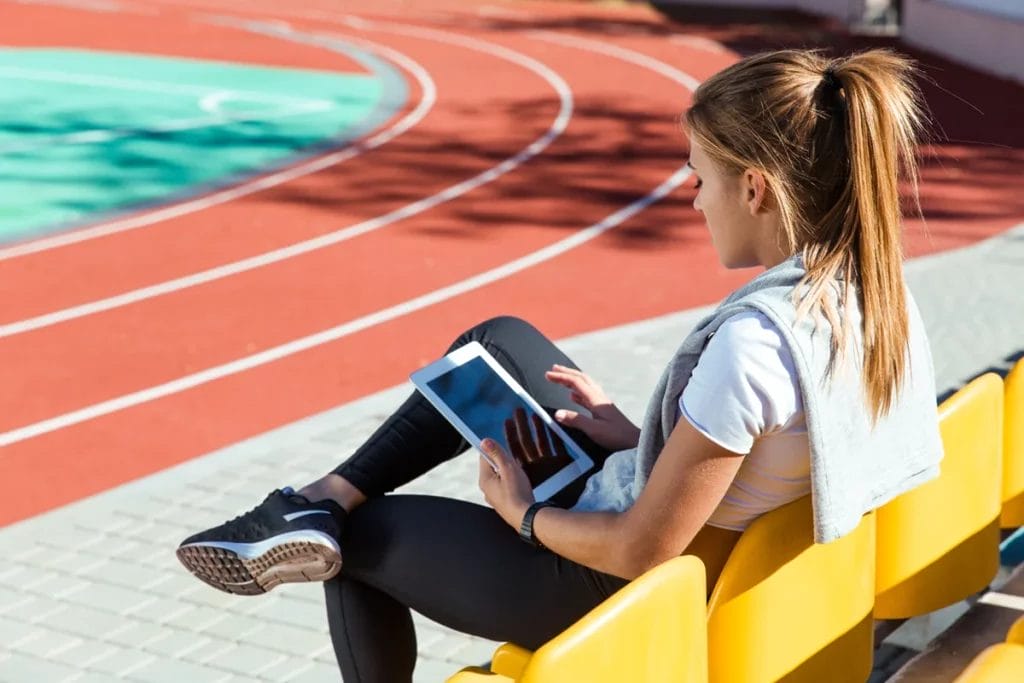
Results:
x,y
699,183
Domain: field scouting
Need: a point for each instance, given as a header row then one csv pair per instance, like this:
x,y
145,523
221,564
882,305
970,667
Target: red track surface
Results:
x,y
622,142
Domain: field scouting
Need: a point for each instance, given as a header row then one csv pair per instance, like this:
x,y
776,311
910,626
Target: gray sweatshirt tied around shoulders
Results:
x,y
854,467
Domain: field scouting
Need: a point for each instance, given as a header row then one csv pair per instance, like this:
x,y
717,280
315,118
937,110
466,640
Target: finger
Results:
x,y
568,370
578,393
512,439
580,383
543,442
525,436
582,377
571,418
487,474
563,377
560,378
501,458
580,399
560,450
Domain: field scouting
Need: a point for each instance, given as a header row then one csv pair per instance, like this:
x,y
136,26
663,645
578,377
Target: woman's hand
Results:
x,y
505,486
606,426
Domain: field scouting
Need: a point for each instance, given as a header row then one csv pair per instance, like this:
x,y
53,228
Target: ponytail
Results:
x,y
876,104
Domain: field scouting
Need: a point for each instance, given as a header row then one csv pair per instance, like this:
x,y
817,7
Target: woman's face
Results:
x,y
721,198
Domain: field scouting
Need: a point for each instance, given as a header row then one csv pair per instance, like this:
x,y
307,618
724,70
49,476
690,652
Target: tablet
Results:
x,y
482,401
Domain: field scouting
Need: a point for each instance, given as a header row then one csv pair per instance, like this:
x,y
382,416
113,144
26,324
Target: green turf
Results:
x,y
86,134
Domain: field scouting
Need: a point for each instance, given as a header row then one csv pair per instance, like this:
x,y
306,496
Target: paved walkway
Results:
x,y
92,592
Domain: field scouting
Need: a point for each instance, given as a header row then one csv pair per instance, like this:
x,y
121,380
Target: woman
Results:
x,y
816,375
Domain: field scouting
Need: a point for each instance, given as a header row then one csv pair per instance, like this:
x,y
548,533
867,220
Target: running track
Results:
x,y
536,170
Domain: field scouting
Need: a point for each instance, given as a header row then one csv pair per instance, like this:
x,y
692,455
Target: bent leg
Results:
x,y
417,438
286,538
454,562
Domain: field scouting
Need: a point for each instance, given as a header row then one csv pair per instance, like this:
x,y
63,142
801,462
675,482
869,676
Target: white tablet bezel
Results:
x,y
581,462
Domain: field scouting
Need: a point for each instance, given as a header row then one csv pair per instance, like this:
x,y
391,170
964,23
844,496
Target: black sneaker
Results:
x,y
284,539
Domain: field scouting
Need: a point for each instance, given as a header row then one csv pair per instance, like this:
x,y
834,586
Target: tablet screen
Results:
x,y
475,393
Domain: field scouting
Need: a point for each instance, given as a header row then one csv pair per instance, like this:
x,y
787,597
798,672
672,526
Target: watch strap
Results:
x,y
526,528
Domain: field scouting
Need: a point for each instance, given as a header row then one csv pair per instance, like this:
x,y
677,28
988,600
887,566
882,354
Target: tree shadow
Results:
x,y
974,154
977,144
589,170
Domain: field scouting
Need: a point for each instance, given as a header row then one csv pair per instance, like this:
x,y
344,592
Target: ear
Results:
x,y
755,191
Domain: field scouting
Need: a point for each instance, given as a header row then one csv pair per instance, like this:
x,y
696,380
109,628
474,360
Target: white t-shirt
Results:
x,y
745,396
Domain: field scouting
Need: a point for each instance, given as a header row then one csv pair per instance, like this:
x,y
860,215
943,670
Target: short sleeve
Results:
x,y
744,385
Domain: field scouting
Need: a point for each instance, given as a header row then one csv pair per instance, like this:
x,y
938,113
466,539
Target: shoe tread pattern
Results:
x,y
285,563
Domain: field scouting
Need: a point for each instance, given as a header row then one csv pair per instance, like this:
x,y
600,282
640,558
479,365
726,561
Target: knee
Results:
x,y
499,327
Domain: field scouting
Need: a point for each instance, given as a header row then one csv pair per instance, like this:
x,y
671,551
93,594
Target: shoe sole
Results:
x,y
293,562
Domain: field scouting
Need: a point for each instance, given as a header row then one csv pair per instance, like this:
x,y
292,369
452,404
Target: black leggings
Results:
x,y
455,562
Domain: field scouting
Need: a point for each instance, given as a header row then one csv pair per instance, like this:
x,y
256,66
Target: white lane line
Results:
x,y
299,248
1015,602
625,54
404,308
427,100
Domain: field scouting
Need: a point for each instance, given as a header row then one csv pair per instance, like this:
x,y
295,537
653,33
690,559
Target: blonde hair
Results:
x,y
833,138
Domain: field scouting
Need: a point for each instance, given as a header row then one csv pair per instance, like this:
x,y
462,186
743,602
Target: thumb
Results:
x,y
495,453
571,418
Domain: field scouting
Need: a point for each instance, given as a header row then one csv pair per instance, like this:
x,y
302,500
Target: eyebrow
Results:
x,y
690,165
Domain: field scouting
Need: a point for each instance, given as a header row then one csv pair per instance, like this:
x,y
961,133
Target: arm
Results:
x,y
689,479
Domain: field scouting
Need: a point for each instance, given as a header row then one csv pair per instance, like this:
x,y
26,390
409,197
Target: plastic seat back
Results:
x,y
1013,449
939,543
474,674
1016,633
653,629
1002,663
787,609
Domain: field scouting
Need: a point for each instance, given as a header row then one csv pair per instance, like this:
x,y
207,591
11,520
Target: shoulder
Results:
x,y
744,384
749,350
747,333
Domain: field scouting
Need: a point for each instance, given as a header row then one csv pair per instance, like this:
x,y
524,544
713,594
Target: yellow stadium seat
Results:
x,y
785,608
510,660
1013,450
474,674
1002,663
939,543
1016,633
654,629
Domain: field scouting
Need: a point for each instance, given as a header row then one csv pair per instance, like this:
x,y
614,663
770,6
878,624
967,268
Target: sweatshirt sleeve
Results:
x,y
744,385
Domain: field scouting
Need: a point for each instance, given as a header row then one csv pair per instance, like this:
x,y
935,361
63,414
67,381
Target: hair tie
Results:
x,y
830,79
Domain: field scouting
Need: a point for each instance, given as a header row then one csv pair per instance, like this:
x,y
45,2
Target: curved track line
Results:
x,y
536,147
429,96
392,312
622,53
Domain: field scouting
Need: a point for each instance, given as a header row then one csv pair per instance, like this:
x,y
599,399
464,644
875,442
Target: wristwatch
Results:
x,y
526,528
